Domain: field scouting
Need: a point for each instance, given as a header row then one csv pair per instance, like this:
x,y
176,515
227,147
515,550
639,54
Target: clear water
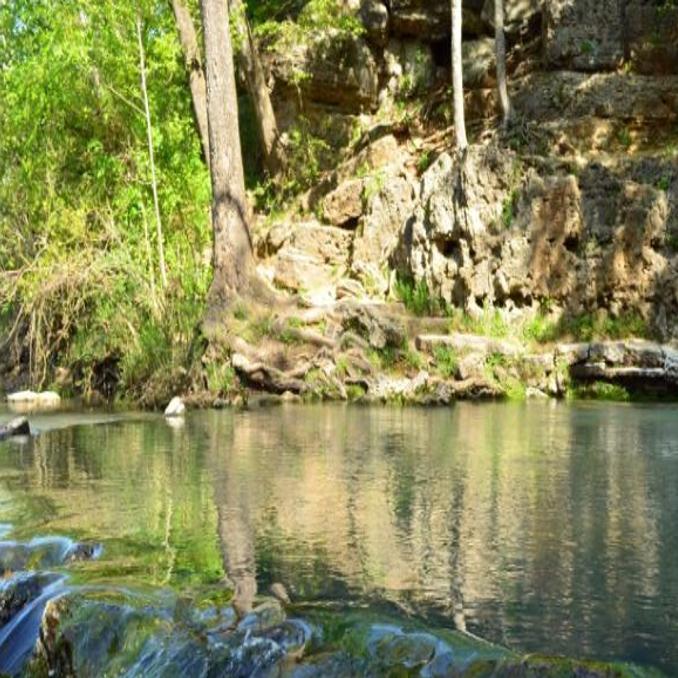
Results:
x,y
543,527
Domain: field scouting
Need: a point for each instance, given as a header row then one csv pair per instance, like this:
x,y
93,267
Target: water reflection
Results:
x,y
543,527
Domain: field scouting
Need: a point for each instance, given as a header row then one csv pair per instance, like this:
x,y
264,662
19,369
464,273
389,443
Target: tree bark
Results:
x,y
458,77
196,74
248,58
233,259
500,46
151,156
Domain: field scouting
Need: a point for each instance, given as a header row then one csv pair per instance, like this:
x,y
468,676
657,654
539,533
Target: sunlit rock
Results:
x,y
176,407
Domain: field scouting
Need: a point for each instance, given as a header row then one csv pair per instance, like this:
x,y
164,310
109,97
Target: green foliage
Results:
x,y
355,392
488,323
591,326
221,378
417,298
540,329
424,161
373,186
78,240
446,361
283,25
599,390
664,183
413,359
509,208
308,155
624,137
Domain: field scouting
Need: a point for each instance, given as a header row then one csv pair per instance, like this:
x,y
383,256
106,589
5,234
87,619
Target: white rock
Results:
x,y
176,408
22,397
48,398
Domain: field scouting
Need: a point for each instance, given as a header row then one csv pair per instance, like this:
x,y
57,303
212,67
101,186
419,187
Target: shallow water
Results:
x,y
543,527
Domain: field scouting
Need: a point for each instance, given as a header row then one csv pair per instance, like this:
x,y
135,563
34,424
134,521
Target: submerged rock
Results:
x,y
23,597
15,427
44,552
123,632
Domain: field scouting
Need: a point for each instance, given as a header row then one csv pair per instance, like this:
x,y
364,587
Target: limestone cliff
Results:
x,y
575,209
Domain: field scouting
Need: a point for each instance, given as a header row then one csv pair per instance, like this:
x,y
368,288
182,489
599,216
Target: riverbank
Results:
x,y
370,352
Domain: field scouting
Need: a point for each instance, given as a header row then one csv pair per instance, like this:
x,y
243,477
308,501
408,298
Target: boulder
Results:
x,y
344,205
447,242
377,236
22,397
15,427
519,15
375,18
330,69
27,401
584,35
479,63
374,323
310,257
409,67
429,20
175,408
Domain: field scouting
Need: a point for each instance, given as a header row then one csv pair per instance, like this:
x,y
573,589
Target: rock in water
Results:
x,y
22,397
16,427
49,398
176,408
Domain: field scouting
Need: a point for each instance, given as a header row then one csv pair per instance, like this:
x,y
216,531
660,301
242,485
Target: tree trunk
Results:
x,y
151,156
196,74
500,46
233,259
248,58
457,77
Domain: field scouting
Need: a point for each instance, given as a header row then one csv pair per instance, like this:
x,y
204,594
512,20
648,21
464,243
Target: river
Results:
x,y
545,527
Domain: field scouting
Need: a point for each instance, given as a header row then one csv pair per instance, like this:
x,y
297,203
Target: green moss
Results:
x,y
355,392
599,390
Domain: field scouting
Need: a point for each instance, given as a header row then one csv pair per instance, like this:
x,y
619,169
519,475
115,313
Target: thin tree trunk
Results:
x,y
458,77
249,60
233,257
196,74
500,45
149,257
151,155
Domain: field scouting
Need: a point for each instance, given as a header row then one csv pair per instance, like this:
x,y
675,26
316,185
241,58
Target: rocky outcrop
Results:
x,y
486,233
162,636
635,364
330,69
376,239
599,35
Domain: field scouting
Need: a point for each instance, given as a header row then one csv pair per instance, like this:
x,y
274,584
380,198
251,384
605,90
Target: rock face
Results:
x,y
580,242
377,236
597,35
331,70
